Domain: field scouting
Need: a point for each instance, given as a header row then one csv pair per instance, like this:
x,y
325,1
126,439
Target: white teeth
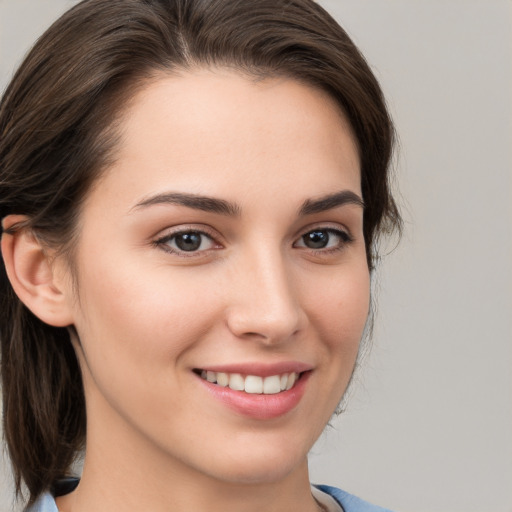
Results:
x,y
272,385
222,379
236,382
291,380
252,384
283,381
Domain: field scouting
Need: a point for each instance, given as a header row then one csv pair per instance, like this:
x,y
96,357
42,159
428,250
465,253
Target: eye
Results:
x,y
189,241
324,239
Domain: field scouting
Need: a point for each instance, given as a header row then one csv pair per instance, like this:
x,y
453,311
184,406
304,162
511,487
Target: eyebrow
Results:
x,y
204,203
330,201
223,207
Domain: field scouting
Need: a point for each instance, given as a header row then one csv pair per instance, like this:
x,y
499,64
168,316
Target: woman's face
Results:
x,y
224,244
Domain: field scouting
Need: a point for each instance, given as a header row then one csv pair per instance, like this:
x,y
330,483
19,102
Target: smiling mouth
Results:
x,y
252,384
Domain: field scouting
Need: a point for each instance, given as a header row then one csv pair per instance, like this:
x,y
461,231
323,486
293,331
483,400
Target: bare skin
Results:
x,y
273,276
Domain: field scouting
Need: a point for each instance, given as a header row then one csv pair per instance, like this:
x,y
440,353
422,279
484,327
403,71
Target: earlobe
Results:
x,y
32,274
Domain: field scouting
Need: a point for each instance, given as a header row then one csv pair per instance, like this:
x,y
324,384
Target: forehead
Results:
x,y
211,131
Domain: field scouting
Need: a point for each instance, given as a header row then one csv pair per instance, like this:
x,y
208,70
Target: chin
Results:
x,y
258,475
261,466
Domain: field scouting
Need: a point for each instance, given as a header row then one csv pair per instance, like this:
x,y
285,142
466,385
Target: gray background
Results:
x,y
429,425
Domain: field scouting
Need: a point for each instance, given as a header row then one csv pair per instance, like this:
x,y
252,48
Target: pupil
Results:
x,y
316,239
188,241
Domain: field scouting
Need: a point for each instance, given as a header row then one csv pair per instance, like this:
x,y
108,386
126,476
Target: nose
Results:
x,y
265,305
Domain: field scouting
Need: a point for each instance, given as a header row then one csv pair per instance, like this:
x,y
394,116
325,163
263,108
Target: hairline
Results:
x,y
129,92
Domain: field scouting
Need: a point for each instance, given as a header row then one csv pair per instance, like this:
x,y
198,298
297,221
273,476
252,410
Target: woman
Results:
x,y
191,195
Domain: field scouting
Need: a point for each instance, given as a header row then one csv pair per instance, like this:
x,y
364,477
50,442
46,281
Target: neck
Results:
x,y
128,472
133,488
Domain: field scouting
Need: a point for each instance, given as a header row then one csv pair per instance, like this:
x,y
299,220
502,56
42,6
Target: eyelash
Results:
x,y
163,242
344,236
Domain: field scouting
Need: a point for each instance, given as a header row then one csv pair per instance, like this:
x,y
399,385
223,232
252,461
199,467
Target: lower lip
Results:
x,y
259,406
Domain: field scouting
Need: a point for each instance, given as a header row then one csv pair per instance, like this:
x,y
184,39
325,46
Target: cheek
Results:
x,y
339,316
338,312
137,326
136,316
341,309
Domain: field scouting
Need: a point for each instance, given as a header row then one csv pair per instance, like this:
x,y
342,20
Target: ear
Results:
x,y
33,274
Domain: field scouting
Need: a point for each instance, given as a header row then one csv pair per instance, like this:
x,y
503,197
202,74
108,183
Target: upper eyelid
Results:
x,y
185,228
168,233
336,231
161,242
327,226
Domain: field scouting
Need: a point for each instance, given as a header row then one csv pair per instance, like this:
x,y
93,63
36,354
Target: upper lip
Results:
x,y
260,369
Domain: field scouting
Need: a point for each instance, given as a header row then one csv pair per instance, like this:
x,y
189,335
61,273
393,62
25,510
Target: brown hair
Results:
x,y
57,133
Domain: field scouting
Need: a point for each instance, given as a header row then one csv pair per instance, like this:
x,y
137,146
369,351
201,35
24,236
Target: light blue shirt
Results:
x,y
349,503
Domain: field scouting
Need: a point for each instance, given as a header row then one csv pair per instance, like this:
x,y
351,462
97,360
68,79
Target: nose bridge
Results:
x,y
265,304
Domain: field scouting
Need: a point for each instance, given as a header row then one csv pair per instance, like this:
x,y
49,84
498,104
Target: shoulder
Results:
x,y
349,502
